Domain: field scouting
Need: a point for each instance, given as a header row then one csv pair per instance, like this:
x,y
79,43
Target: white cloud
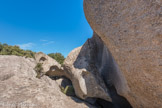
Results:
x,y
42,40
47,43
26,46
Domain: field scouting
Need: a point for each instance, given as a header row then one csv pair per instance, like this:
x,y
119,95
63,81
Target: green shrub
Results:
x,y
58,57
15,50
38,68
68,90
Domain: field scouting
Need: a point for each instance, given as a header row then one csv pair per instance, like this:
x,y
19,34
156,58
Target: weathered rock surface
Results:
x,y
132,31
95,73
84,67
63,82
86,84
19,87
50,66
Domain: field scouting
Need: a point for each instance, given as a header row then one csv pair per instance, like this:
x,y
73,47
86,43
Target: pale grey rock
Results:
x,y
132,31
85,69
19,87
50,66
63,82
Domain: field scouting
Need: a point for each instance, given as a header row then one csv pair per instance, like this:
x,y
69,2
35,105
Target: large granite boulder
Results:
x,y
87,70
19,87
132,31
49,65
80,70
95,74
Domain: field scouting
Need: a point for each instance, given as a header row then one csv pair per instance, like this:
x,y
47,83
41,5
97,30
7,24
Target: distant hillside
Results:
x,y
6,49
58,57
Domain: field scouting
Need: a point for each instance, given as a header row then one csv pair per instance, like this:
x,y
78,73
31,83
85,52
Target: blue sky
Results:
x,y
44,25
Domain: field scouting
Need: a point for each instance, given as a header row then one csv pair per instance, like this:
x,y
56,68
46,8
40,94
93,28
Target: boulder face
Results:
x,y
50,66
132,31
95,73
19,87
85,78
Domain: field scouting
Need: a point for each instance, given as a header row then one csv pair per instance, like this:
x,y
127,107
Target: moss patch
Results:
x,y
38,68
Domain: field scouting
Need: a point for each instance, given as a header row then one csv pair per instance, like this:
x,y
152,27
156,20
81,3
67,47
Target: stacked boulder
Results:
x,y
132,31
